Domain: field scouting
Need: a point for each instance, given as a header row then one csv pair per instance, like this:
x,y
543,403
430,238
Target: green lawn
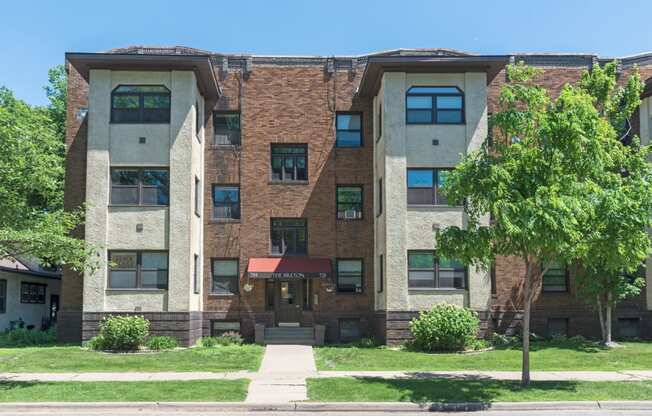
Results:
x,y
456,390
75,359
545,356
131,391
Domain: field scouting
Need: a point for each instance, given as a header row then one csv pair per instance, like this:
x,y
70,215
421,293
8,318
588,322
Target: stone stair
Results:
x,y
290,335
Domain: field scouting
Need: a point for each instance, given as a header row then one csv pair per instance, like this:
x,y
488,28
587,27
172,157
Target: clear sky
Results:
x,y
36,34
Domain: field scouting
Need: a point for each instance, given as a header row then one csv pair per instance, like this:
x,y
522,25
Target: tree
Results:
x,y
532,194
33,223
57,93
620,241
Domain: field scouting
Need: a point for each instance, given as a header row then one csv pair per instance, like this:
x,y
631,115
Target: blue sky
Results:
x,y
37,33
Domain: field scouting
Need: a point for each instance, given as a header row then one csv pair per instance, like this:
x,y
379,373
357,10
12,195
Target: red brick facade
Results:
x,y
294,100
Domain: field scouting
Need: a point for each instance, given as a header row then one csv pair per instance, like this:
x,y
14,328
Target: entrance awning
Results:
x,y
288,268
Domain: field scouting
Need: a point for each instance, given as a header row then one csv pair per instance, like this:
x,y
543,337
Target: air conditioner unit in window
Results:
x,y
350,214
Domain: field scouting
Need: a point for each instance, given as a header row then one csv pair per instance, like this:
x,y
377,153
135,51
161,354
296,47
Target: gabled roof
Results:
x,y
29,267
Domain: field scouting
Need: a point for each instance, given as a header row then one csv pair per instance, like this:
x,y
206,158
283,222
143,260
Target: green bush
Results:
x,y
367,342
445,328
500,340
207,342
121,333
162,343
22,337
227,338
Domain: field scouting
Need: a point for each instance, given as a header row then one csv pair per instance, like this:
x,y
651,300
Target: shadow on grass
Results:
x,y
455,389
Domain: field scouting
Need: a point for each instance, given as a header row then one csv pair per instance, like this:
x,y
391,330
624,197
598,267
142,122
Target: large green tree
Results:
x,y
619,241
536,191
33,223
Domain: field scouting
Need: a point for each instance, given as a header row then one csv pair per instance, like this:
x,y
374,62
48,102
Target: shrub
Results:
x,y
227,338
207,342
502,339
445,328
367,342
22,337
121,333
162,343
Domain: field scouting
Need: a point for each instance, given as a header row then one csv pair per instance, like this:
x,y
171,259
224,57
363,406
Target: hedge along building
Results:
x,y
289,198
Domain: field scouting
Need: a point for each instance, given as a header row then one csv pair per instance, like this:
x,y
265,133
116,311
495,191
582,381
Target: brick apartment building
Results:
x,y
294,197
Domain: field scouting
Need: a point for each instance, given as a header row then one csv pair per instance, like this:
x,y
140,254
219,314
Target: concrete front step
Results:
x,y
290,335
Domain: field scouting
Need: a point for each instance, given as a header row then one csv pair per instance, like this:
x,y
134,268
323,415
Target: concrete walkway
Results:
x,y
279,370
282,375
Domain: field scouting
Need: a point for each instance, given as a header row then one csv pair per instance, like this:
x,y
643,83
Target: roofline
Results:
x,y
200,64
47,275
378,65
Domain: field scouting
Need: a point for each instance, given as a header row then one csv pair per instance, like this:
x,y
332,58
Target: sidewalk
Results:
x,y
282,375
289,372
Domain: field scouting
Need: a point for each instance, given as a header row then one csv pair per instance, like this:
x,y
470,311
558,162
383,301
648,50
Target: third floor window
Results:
x,y
435,105
140,104
289,163
227,128
349,130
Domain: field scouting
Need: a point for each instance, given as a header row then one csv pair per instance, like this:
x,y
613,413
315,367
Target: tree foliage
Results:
x,y
541,190
33,223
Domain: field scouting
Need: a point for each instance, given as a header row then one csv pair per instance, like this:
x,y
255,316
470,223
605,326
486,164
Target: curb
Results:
x,y
326,407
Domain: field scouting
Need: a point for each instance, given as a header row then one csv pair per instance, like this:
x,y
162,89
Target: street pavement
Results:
x,y
109,412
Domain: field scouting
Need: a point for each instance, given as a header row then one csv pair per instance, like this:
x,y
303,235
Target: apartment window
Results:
x,y
195,274
380,122
145,186
226,202
381,273
289,163
198,119
138,270
380,196
556,278
32,292
558,327
435,105
425,270
629,328
220,327
349,202
424,186
349,130
225,276
289,236
140,104
307,294
349,329
349,275
227,128
270,294
197,196
3,295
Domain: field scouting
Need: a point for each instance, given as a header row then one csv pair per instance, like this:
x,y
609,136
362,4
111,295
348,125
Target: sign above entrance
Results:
x,y
289,268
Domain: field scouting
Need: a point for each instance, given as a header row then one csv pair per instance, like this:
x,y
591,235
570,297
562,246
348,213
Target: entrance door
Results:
x,y
289,305
54,307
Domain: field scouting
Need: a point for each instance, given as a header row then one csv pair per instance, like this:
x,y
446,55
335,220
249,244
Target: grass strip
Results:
x,y
130,391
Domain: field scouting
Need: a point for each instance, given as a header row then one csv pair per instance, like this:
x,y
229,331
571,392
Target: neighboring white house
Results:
x,y
29,295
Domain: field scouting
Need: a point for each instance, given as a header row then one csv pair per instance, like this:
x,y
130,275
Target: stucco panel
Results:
x,y
126,149
135,301
122,228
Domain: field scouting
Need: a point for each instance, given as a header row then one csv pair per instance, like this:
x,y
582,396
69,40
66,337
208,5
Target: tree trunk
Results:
x,y
603,327
527,298
609,306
